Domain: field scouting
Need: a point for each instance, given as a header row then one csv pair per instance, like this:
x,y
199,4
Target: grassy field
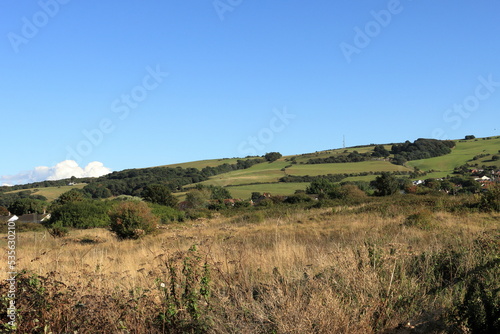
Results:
x,y
325,154
51,192
260,173
350,167
270,173
205,163
346,269
245,191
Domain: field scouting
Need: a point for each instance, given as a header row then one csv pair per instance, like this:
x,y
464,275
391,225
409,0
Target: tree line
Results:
x,y
419,149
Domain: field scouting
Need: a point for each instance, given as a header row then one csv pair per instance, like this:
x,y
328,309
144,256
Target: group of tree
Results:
x,y
354,156
379,152
206,196
420,149
134,182
128,217
23,202
340,177
272,156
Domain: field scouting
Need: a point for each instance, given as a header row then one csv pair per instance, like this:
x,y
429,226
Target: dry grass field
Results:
x,y
346,269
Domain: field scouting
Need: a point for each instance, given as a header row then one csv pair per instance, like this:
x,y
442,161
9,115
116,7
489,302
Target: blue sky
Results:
x,y
146,83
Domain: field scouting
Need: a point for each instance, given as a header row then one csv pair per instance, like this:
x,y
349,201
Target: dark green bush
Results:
x,y
80,214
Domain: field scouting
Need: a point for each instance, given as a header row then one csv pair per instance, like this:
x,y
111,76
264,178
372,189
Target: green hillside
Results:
x,y
200,164
350,167
51,193
265,177
463,152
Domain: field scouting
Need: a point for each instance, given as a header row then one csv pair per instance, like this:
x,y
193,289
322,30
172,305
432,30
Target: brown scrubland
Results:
x,y
387,265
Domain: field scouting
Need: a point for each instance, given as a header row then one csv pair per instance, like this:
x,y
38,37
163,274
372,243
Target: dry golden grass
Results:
x,y
303,271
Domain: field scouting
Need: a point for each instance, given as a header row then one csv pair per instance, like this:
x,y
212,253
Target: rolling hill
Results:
x,y
265,176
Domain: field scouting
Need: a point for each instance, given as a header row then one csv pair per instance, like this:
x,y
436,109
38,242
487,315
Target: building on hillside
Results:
x,y
34,218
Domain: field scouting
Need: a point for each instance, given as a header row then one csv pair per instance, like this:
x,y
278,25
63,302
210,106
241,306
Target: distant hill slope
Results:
x,y
265,176
464,151
51,193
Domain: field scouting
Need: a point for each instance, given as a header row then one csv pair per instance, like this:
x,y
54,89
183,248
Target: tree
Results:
x,y
132,220
198,198
385,184
321,186
256,195
80,214
27,205
469,137
272,156
74,195
219,193
159,194
380,151
97,190
399,160
490,200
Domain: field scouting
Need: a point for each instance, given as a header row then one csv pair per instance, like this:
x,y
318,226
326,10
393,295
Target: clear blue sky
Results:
x,y
374,71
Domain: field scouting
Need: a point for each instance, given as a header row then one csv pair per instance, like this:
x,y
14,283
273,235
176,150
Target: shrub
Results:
x,y
298,198
266,202
57,230
423,220
133,220
480,308
490,200
80,214
167,214
186,294
249,218
352,193
159,194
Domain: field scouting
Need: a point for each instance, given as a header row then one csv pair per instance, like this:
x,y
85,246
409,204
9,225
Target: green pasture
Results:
x,y
367,178
245,191
205,163
261,173
51,192
349,167
328,153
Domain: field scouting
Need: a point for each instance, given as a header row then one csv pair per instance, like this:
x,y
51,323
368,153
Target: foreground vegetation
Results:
x,y
399,264
345,243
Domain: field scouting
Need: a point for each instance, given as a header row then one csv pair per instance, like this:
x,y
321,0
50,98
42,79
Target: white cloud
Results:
x,y
62,170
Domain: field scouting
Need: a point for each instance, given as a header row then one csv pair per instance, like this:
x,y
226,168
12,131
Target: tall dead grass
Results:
x,y
315,271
